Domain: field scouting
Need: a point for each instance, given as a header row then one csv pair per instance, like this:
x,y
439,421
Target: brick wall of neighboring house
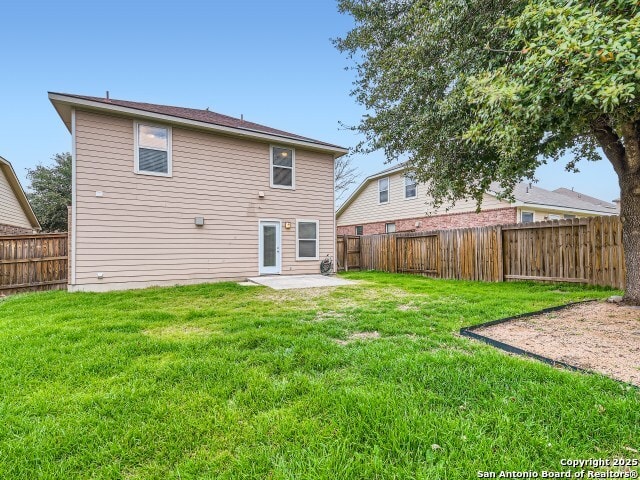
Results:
x,y
11,230
499,216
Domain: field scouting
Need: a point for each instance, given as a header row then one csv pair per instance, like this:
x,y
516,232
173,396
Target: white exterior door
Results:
x,y
269,250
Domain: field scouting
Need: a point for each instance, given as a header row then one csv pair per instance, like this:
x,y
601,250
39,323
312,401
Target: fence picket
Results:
x,y
572,250
33,262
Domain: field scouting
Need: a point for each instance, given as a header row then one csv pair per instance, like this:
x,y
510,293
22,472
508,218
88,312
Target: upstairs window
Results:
x,y
282,167
307,239
153,150
383,190
410,189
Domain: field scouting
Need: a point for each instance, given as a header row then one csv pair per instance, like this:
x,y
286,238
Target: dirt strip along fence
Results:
x,y
33,262
586,250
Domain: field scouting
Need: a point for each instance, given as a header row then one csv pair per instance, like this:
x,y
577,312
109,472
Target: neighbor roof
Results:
x,y
18,191
586,198
529,194
523,193
63,102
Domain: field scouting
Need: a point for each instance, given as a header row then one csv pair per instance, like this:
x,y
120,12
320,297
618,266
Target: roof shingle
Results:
x,y
198,115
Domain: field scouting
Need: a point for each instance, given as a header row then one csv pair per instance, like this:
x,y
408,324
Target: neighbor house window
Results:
x,y
410,189
527,217
153,149
359,229
307,239
568,216
390,227
282,167
383,190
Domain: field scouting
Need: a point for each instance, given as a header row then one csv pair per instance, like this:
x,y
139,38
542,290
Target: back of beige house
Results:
x,y
168,195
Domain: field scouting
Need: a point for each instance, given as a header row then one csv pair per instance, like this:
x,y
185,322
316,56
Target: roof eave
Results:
x,y
65,103
521,204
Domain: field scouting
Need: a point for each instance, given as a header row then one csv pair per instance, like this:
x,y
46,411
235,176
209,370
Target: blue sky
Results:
x,y
271,61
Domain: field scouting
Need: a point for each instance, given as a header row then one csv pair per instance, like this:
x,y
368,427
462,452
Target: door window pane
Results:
x,y
269,246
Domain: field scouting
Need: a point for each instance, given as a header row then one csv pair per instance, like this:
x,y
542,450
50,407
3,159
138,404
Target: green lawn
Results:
x,y
226,381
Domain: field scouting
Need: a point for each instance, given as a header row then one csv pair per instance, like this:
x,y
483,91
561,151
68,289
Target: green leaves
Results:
x,y
411,58
50,192
476,91
580,61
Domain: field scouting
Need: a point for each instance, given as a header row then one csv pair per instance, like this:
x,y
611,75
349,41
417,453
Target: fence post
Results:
x,y
393,247
345,252
499,253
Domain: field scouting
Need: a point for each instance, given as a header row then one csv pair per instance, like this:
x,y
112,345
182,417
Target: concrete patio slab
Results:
x,y
286,282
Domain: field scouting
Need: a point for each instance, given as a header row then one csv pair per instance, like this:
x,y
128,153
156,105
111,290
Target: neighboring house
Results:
x,y
167,195
390,201
16,214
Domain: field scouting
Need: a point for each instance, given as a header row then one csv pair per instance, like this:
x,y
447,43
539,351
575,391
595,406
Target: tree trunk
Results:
x,y
630,216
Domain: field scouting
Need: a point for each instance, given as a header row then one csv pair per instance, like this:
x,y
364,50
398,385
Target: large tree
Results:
x,y
481,91
50,192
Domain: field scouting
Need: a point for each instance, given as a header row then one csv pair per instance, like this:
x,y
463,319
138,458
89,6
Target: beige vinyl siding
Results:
x,y
366,208
11,212
142,229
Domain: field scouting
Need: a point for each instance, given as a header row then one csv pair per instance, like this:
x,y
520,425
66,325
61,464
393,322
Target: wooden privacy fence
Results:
x,y
33,262
586,250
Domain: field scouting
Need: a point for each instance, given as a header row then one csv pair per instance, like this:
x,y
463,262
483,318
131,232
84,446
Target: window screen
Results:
x,y
383,190
527,217
282,167
307,239
410,190
153,149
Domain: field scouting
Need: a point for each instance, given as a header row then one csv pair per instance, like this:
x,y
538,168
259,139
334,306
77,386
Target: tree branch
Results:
x,y
610,143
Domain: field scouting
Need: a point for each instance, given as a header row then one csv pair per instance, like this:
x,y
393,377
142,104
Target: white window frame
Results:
x,y
136,147
405,189
298,222
361,227
533,218
388,179
293,167
386,227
